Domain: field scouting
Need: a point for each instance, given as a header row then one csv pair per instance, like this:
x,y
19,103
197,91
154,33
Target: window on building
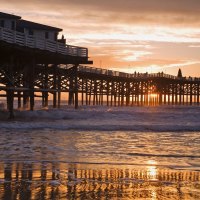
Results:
x,y
47,35
13,25
55,36
30,32
2,23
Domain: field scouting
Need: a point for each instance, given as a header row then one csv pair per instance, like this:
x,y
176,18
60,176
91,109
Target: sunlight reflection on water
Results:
x,y
152,170
52,164
31,180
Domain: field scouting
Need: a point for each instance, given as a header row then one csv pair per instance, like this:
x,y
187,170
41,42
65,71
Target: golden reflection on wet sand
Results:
x,y
89,181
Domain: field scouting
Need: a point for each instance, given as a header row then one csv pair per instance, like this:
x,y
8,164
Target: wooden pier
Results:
x,y
91,86
32,67
98,86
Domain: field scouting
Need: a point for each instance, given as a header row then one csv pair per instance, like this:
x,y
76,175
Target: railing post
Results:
x,y
77,51
57,46
25,39
14,36
35,42
45,44
86,52
1,31
67,50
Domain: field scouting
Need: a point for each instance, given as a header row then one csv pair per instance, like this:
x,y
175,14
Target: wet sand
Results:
x,y
32,180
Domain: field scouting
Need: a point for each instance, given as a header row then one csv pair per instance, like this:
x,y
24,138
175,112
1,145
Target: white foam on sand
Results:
x,y
161,118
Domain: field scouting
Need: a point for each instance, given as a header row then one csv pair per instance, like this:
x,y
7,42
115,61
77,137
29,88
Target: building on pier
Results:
x,y
39,31
25,46
17,31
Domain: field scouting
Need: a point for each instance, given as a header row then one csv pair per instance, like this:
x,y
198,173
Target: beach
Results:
x,y
101,153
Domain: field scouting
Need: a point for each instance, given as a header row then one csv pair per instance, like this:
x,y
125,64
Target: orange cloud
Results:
x,y
137,34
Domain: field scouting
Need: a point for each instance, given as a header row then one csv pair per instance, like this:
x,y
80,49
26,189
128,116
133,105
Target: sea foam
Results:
x,y
160,118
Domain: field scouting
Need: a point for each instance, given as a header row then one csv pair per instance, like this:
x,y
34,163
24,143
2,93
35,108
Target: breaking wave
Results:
x,y
161,118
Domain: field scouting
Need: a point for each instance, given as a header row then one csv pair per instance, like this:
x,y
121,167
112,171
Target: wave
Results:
x,y
161,118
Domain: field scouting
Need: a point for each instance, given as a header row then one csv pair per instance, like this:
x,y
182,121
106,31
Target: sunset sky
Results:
x,y
128,35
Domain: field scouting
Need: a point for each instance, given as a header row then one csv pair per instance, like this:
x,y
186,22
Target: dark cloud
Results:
x,y
178,12
135,5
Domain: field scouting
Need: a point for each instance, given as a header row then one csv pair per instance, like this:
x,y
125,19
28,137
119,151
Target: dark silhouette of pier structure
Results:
x,y
35,63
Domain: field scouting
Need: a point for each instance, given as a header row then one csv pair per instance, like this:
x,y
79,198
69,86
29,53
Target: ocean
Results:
x,y
101,153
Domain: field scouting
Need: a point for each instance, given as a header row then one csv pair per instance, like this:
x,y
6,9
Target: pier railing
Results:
x,y
31,41
133,75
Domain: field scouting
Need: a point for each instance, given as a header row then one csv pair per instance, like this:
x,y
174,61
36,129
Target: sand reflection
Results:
x,y
20,180
152,170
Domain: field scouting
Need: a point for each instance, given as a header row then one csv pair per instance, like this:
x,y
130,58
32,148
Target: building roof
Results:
x,y
8,16
36,26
